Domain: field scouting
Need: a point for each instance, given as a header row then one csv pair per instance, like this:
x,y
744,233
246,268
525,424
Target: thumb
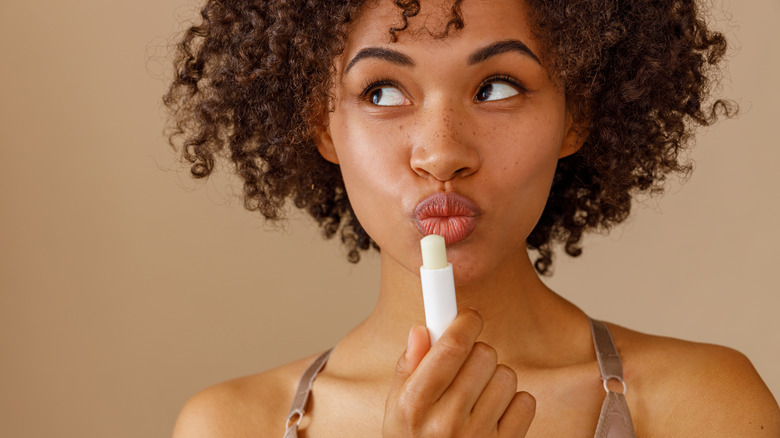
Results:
x,y
418,344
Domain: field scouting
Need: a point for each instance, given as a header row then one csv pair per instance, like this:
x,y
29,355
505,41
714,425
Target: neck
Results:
x,y
523,318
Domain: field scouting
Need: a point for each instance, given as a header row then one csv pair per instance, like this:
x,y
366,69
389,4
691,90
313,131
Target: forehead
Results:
x,y
486,21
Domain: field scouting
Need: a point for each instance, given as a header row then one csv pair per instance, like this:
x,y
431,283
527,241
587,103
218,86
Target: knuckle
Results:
x,y
455,346
400,367
485,351
506,375
410,409
473,317
442,426
525,403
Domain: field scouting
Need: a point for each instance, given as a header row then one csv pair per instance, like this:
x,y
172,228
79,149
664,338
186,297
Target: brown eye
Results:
x,y
387,96
495,91
376,96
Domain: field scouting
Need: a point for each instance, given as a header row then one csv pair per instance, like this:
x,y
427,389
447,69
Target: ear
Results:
x,y
575,137
324,143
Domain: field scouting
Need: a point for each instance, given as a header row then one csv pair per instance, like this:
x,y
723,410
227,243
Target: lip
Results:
x,y
450,215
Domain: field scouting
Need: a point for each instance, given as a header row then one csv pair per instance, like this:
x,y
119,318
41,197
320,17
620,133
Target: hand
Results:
x,y
455,390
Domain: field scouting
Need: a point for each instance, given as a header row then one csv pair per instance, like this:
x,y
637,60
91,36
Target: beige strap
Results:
x,y
609,360
615,418
298,407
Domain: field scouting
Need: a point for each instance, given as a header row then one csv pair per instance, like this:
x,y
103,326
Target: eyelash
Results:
x,y
507,79
373,84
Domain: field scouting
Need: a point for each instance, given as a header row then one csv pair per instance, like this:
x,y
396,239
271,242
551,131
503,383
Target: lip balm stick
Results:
x,y
438,286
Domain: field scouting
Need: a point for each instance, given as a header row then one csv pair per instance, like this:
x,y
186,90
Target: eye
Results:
x,y
495,91
387,96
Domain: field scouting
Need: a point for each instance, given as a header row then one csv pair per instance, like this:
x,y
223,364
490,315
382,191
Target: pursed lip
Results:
x,y
450,215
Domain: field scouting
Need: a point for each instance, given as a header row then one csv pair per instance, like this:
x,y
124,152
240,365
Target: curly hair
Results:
x,y
253,82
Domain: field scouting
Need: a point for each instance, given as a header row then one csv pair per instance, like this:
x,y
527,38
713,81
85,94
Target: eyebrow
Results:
x,y
392,56
481,55
500,47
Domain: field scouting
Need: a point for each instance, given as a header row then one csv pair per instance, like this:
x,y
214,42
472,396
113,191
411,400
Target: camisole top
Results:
x,y
614,420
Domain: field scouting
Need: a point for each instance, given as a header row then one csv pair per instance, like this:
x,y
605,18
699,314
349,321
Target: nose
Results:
x,y
441,147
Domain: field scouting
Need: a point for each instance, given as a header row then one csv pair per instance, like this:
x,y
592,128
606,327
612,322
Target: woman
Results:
x,y
503,126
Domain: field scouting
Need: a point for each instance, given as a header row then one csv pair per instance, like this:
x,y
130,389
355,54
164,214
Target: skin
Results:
x,y
439,135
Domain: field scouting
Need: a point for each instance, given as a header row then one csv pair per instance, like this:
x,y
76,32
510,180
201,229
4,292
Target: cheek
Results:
x,y
524,167
529,148
372,164
369,157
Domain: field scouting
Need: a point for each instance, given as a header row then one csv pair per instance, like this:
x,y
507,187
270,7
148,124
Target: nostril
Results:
x,y
463,171
458,172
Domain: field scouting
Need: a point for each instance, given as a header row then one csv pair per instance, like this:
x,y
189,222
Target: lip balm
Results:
x,y
438,286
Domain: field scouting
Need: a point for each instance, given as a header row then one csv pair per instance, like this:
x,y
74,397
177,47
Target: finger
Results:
x,y
496,397
472,380
439,367
518,416
418,344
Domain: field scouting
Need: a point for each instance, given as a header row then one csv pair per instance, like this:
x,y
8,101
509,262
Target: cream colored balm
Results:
x,y
438,286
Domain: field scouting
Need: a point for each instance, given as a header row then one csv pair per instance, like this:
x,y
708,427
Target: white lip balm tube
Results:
x,y
438,286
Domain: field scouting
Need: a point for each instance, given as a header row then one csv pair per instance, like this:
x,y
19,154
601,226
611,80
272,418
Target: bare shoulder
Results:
x,y
682,388
255,405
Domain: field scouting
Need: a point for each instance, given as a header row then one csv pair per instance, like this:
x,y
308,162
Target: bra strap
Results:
x,y
298,407
609,360
615,418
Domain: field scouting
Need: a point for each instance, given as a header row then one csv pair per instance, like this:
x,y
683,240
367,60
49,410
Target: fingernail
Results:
x,y
409,340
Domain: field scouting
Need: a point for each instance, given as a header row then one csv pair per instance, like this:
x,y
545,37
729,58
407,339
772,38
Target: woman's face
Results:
x,y
459,136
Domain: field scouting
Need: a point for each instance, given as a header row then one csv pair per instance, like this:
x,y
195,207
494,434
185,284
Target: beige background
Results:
x,y
126,287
